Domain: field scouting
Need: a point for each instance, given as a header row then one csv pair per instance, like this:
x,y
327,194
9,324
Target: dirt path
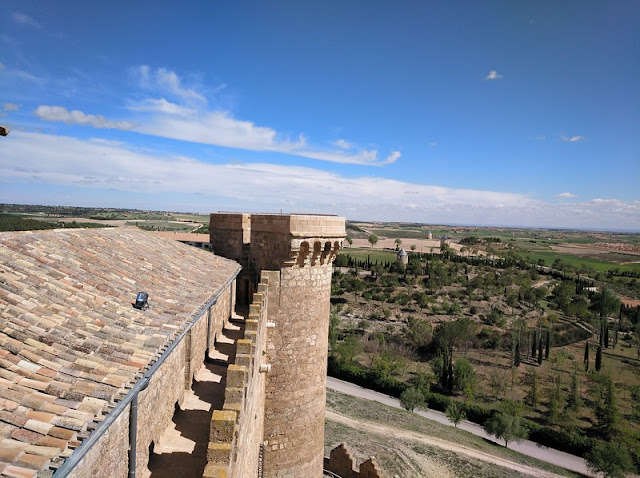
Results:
x,y
550,455
388,431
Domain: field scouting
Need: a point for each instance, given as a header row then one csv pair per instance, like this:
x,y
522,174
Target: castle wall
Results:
x,y
228,232
295,405
109,456
236,431
302,249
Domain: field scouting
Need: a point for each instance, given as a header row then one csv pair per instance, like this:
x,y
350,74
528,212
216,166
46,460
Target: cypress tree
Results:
x,y
606,335
574,401
599,358
533,346
586,356
533,392
516,359
540,351
548,344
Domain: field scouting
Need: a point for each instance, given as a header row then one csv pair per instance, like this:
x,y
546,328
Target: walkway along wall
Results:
x,y
236,430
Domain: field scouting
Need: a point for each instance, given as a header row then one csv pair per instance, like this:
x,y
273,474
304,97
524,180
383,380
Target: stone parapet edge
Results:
x,y
225,424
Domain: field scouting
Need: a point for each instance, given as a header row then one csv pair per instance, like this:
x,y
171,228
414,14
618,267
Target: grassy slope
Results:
x,y
401,458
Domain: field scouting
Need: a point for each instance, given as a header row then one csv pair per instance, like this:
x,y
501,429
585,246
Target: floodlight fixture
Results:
x,y
141,301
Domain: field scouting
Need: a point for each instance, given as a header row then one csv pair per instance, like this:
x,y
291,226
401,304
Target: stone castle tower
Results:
x,y
301,248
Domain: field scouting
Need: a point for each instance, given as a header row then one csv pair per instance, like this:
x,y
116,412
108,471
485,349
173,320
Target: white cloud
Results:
x,y
341,143
10,107
167,81
107,166
494,75
25,20
566,195
573,139
169,120
161,105
433,144
58,113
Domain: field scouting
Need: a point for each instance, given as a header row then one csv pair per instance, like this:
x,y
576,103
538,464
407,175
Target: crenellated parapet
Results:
x,y
236,431
342,463
273,241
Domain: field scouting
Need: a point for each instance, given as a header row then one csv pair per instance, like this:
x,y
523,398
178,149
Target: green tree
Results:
x,y
605,302
387,364
373,239
635,403
463,374
398,243
586,356
348,349
608,413
547,348
540,351
419,332
555,402
349,240
612,459
506,423
412,398
455,413
532,396
516,357
334,322
574,402
447,336
598,358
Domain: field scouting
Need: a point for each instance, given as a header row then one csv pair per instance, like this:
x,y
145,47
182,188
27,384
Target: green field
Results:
x,y
576,261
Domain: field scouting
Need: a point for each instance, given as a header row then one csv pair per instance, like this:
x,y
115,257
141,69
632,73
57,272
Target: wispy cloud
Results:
x,y
341,143
110,166
566,195
186,116
10,107
493,75
573,139
167,81
161,105
23,19
58,113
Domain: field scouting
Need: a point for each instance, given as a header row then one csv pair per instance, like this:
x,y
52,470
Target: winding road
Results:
x,y
526,447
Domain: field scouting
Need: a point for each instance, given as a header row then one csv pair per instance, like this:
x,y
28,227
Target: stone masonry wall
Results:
x,y
236,431
228,232
109,457
342,463
297,349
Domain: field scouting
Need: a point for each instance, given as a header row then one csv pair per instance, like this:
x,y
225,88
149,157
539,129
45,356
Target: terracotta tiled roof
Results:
x,y
70,340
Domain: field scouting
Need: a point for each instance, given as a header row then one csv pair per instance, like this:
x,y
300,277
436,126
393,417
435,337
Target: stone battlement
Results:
x,y
236,431
272,241
342,463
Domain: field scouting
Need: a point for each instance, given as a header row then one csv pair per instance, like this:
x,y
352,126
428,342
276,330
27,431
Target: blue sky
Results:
x,y
498,113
